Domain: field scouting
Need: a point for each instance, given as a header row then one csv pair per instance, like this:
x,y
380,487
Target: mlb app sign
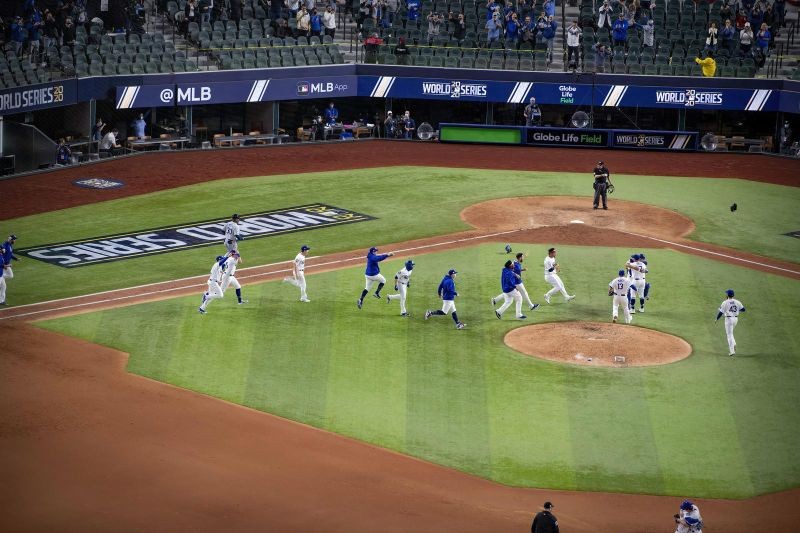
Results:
x,y
191,235
305,88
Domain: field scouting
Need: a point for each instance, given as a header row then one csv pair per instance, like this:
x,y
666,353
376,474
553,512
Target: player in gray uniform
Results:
x,y
730,307
232,234
402,282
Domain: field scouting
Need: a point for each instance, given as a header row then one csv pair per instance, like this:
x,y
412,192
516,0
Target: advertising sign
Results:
x,y
41,96
654,140
568,137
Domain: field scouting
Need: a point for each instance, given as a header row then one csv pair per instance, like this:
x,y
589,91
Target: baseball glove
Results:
x,y
610,188
508,248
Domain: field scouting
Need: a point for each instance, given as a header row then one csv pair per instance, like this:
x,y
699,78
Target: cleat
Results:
x,y
427,314
614,320
403,314
641,310
568,298
522,317
376,295
358,303
388,300
534,307
732,354
494,302
202,311
633,311
244,302
498,315
546,298
460,325
306,300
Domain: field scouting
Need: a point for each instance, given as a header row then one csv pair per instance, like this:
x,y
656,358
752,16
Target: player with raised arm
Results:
x,y
373,274
551,270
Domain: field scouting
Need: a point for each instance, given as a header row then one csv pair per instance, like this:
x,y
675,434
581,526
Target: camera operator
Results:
x,y
434,21
409,125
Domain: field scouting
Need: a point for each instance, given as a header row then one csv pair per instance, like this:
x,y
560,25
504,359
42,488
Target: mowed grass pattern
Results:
x,y
708,426
409,203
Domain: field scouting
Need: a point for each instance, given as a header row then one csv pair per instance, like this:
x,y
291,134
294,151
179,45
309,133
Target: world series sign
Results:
x,y
192,235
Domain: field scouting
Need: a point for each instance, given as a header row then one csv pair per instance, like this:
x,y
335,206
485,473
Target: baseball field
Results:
x,y
404,423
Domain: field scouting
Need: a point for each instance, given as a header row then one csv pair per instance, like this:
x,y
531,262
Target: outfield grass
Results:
x,y
410,202
708,426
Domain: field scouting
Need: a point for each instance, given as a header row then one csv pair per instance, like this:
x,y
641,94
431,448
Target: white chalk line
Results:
x,y
203,278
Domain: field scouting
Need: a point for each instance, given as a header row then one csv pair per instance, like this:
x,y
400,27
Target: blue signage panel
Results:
x,y
133,96
40,96
444,89
654,140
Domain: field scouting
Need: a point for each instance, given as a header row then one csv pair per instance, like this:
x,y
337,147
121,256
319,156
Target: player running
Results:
x,y
508,281
233,234
298,277
551,270
731,308
618,288
518,270
447,292
401,284
373,274
638,272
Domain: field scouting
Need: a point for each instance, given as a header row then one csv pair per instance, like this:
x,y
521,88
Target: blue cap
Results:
x,y
451,272
235,216
410,264
641,255
729,292
687,505
220,258
635,256
304,248
621,272
373,249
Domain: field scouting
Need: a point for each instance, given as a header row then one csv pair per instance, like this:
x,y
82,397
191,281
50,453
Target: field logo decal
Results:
x,y
190,235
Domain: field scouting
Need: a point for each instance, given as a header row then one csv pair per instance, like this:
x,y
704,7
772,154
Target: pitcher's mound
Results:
x,y
598,344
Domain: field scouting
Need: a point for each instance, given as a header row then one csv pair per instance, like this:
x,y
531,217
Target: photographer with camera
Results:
x,y
605,18
389,126
434,21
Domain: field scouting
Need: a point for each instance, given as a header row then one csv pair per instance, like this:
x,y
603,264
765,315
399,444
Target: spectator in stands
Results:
x,y
763,38
727,36
459,26
712,37
648,33
708,64
311,4
390,11
371,45
315,23
68,32
190,12
620,31
294,7
780,11
109,143
507,10
34,27
51,33
303,22
769,16
236,10
329,21
573,45
377,11
493,27
63,153
204,7
756,17
434,22
401,51
409,125
139,126
725,12
512,32
490,8
525,9
549,34
17,35
282,29
412,10
746,40
634,12
528,33
549,7
741,20
604,19
541,24
601,53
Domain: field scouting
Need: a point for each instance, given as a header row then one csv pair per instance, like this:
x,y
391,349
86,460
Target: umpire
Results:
x,y
601,182
545,521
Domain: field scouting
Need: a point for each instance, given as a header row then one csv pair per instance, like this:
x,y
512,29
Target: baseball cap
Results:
x,y
687,505
373,249
621,272
635,256
729,292
451,272
304,248
235,216
220,258
548,505
12,237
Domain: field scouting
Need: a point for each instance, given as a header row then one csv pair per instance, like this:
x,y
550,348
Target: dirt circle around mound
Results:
x,y
598,344
539,211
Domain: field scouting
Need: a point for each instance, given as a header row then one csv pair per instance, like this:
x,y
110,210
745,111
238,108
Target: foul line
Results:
x,y
198,278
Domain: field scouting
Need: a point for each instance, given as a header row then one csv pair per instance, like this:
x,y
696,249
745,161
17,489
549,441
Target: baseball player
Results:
x,y
551,270
447,292
508,281
214,290
518,270
233,234
731,308
8,256
2,282
228,276
298,277
373,274
688,519
638,272
646,283
401,284
618,288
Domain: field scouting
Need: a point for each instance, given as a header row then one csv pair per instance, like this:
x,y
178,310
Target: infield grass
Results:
x,y
708,426
409,202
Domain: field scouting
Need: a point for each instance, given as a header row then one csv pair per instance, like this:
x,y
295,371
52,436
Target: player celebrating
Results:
x,y
731,308
228,279
518,270
401,284
637,270
508,280
233,234
447,292
373,274
688,519
214,290
551,270
298,277
618,288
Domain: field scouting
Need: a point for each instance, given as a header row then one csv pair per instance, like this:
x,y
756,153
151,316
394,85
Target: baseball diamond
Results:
x,y
370,417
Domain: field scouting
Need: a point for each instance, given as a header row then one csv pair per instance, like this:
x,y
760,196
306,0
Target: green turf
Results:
x,y
708,426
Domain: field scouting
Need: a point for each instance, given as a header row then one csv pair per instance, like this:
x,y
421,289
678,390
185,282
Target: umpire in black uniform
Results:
x,y
602,180
545,521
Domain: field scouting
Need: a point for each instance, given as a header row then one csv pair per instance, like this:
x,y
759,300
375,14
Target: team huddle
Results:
x,y
629,286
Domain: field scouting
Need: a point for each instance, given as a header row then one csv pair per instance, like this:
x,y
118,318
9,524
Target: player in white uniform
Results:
x,y
731,307
688,519
228,279
233,234
298,277
638,272
401,284
214,290
618,288
551,270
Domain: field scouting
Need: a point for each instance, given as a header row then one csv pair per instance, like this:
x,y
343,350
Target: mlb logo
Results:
x,y
303,88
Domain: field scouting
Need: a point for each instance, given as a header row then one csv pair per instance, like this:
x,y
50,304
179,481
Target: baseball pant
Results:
x,y
638,284
401,295
621,300
513,296
524,293
371,280
730,323
299,282
8,273
558,285
214,292
232,245
2,289
448,306
600,192
231,282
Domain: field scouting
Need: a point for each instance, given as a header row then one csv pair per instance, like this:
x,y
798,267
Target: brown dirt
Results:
x,y
598,344
159,171
85,445
542,211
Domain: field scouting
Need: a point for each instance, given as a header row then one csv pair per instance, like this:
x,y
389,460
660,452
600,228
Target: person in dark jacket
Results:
x,y
545,521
